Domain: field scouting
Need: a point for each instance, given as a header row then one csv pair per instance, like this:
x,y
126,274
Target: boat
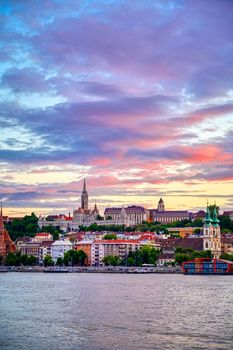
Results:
x,y
207,266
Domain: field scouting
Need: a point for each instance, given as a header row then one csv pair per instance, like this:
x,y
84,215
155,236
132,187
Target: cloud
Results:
x,y
140,84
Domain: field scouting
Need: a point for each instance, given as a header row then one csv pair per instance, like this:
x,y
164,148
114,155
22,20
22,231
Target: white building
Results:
x,y
59,248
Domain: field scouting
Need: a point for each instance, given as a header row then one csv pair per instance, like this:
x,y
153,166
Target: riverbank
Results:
x,y
91,269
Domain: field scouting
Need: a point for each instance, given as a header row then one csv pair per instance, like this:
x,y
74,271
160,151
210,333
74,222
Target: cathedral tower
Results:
x,y
212,234
84,197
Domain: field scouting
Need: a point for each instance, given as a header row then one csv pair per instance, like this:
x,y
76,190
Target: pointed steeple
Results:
x,y
215,221
1,221
84,185
84,197
207,220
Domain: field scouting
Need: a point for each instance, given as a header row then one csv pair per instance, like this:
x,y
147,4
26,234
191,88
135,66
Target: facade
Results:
x,y
102,248
59,248
183,231
44,250
31,248
167,216
42,236
6,244
212,234
85,246
131,215
228,213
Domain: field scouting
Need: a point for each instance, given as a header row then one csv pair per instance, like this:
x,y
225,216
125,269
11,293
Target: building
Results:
x,y
59,248
132,215
228,213
183,231
212,234
6,244
167,216
44,250
30,248
121,248
42,236
83,216
85,245
227,245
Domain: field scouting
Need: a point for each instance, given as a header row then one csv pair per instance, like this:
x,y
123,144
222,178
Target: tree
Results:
x,y
111,260
227,256
27,226
99,217
59,261
74,257
55,235
110,236
48,261
181,257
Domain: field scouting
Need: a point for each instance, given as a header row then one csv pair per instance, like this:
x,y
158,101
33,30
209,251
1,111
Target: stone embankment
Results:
x,y
91,269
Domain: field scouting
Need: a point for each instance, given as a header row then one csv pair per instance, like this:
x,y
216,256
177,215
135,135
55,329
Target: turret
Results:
x,y
161,206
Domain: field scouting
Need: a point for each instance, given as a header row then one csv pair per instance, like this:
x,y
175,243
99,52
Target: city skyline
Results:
x,y
136,97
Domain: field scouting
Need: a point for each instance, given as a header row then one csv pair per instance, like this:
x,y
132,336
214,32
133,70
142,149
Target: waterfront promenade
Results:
x,y
91,269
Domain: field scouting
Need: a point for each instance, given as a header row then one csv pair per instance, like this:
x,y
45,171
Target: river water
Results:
x,y
115,311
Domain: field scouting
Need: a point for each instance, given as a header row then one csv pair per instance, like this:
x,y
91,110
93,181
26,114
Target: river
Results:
x,y
115,311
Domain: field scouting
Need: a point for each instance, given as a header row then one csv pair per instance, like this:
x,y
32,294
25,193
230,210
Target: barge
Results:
x,y
206,266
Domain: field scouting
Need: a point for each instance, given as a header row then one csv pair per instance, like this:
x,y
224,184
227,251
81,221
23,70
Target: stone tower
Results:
x,y
212,234
84,197
161,206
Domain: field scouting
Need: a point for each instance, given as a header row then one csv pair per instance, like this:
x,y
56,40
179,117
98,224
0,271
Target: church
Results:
x,y
83,215
6,244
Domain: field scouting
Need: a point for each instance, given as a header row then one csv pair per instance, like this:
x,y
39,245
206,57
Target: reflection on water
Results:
x,y
111,311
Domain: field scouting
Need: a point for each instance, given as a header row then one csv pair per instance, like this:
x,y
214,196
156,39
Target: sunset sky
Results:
x,y
134,96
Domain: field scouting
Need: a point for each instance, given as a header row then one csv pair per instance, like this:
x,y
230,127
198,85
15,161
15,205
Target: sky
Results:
x,y
134,96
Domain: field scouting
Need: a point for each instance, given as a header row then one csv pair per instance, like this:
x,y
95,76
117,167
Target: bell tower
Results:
x,y
212,233
84,197
161,206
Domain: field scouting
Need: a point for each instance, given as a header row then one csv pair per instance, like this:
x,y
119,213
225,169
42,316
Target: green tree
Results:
x,y
59,261
227,256
181,257
74,257
48,261
99,217
110,236
111,260
27,226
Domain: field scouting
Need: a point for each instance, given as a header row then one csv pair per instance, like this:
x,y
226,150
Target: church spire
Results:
x,y
84,197
215,220
1,220
207,219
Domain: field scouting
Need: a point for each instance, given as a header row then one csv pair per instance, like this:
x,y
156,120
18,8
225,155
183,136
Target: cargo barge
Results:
x,y
206,266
